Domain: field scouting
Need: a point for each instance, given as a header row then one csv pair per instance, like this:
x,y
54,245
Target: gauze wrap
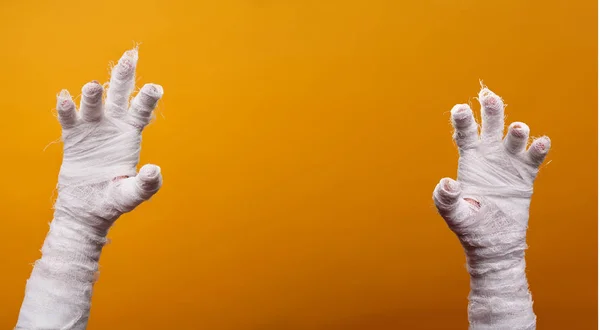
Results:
x,y
488,209
97,183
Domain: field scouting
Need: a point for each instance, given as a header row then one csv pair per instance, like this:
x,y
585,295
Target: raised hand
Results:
x,y
102,146
97,183
488,209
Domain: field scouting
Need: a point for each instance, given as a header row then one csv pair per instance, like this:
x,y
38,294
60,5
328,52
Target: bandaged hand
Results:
x,y
98,182
102,148
488,209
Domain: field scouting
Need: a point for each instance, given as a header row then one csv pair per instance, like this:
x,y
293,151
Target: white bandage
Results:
x,y
488,209
101,148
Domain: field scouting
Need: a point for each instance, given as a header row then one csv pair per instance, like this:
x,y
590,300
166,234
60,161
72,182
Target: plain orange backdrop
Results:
x,y
300,142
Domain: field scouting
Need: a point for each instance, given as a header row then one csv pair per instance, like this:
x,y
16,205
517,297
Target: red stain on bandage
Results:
x,y
120,177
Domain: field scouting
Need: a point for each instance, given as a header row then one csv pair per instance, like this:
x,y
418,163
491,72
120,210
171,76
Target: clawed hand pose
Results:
x,y
98,182
487,207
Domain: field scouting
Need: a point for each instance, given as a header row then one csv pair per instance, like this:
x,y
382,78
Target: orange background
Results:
x,y
300,143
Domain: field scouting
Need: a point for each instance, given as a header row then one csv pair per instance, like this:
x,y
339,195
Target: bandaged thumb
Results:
x,y
131,192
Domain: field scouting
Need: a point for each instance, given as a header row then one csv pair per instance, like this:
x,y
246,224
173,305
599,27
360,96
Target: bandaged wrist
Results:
x,y
59,291
501,300
500,297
